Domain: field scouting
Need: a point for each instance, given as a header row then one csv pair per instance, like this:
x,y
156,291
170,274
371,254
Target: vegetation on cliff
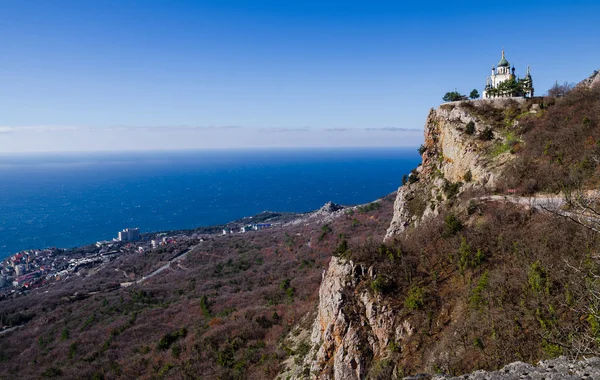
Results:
x,y
469,279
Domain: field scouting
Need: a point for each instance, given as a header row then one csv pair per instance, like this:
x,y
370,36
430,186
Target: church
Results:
x,y
504,84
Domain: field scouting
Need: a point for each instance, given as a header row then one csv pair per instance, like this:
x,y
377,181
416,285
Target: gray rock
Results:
x,y
561,368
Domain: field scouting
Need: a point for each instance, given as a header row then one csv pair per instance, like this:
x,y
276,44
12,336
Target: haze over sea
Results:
x,y
70,200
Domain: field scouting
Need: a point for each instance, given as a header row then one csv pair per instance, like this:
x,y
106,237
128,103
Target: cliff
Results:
x,y
455,285
358,334
467,146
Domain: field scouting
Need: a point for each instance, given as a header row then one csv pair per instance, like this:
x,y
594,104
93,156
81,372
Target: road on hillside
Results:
x,y
541,202
552,204
167,265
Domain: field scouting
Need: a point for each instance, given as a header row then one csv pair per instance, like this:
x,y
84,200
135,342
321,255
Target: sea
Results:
x,y
69,200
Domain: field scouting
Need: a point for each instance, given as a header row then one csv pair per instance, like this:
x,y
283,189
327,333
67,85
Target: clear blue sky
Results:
x,y
125,74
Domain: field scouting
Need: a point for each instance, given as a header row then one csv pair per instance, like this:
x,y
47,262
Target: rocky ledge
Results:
x,y
560,368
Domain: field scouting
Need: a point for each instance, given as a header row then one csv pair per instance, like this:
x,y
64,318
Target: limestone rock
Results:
x,y
339,336
592,81
560,368
451,156
330,207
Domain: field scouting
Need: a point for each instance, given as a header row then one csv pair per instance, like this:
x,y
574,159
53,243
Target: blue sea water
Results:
x,y
69,200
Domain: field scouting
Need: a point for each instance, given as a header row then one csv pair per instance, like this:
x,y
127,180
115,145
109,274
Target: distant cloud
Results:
x,y
384,129
169,128
70,128
393,129
279,130
39,128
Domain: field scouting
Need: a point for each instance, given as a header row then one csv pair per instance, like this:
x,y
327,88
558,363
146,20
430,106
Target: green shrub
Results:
x,y
72,350
477,300
369,207
205,307
466,257
415,298
64,335
391,253
470,128
538,278
164,369
342,249
287,288
168,339
452,225
326,229
381,285
176,350
451,189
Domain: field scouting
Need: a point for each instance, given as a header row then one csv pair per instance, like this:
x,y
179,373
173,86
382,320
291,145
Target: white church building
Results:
x,y
503,82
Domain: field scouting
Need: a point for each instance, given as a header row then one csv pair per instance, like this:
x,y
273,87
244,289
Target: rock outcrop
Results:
x,y
560,368
464,149
335,353
592,81
342,348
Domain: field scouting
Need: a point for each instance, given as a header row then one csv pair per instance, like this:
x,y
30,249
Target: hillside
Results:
x,y
220,312
491,256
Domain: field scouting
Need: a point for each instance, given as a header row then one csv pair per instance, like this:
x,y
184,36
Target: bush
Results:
x,y
468,177
470,128
415,298
451,189
204,306
326,229
168,339
453,96
538,278
342,248
486,135
472,207
381,285
422,149
477,299
452,225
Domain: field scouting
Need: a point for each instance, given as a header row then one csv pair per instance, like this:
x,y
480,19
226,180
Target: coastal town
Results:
x,y
37,268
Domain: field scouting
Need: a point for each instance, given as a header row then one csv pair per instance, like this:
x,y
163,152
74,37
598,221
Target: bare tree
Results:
x,y
579,206
559,90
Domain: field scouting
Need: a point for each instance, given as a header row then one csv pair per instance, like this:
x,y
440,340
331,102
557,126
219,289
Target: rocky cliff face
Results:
x,y
463,149
342,347
355,334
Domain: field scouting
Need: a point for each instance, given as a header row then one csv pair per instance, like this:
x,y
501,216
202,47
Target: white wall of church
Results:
x,y
499,78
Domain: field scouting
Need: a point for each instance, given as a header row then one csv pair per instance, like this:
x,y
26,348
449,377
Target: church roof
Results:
x,y
503,62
